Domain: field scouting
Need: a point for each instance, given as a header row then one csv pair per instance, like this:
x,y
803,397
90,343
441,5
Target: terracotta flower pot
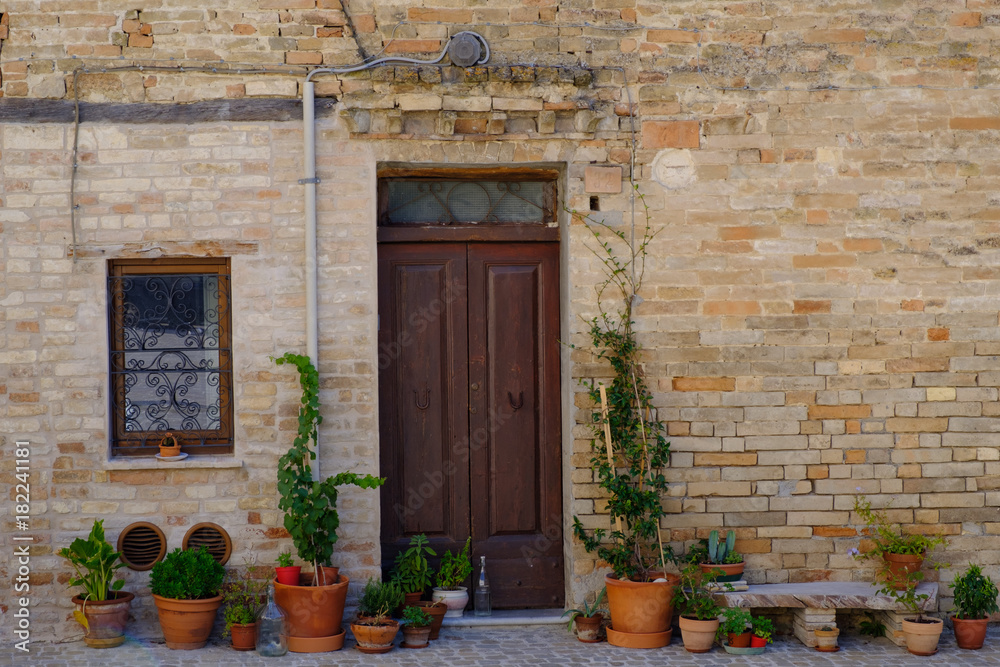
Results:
x,y
730,571
741,640
757,642
698,636
106,619
826,640
641,607
409,600
900,567
456,600
375,638
588,628
437,611
243,636
288,575
416,637
186,624
970,633
313,611
922,637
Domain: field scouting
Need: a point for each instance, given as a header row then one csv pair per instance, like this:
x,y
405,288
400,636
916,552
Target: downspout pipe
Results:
x,y
312,274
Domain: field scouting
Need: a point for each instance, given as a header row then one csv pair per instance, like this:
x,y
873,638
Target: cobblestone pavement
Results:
x,y
487,647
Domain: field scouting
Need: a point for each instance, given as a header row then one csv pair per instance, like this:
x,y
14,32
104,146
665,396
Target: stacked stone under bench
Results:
x,y
815,604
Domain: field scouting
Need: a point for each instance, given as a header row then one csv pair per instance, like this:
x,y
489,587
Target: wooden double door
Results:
x,y
469,403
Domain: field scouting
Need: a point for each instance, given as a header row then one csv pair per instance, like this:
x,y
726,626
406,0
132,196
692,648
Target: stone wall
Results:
x,y
821,301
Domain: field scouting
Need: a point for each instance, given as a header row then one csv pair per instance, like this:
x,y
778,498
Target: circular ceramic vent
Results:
x,y
211,536
142,545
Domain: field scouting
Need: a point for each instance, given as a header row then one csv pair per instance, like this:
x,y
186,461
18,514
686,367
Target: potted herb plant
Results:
x,y
922,632
411,570
285,572
315,607
436,610
454,569
587,620
722,557
762,628
102,608
374,630
242,600
735,627
416,628
975,600
630,452
699,619
896,554
185,587
826,639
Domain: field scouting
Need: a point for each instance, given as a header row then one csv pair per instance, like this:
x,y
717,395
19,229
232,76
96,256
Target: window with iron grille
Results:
x,y
170,355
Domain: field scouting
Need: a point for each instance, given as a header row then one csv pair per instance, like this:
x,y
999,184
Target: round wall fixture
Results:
x,y
211,536
141,545
466,49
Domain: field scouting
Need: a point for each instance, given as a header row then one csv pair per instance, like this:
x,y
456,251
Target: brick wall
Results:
x,y
820,309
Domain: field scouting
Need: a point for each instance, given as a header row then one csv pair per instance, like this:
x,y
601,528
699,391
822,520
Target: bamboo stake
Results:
x,y
645,449
607,438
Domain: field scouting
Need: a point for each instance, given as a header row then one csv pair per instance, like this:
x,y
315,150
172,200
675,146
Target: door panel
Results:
x,y
514,357
482,376
422,357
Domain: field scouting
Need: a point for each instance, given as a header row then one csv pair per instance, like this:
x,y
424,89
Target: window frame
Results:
x,y
146,443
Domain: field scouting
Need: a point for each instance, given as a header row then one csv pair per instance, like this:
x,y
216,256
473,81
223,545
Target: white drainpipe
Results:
x,y
312,275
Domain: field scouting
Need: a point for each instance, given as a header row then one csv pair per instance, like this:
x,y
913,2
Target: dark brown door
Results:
x,y
469,404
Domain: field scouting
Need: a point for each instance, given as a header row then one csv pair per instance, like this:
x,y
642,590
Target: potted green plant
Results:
x,y
721,557
242,600
285,572
921,632
975,600
587,620
315,607
170,446
412,571
826,639
897,555
185,587
374,630
454,569
735,627
416,628
629,453
762,628
699,620
102,608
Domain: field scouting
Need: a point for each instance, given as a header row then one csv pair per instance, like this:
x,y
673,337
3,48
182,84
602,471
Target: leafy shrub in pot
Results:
x,y
185,587
975,600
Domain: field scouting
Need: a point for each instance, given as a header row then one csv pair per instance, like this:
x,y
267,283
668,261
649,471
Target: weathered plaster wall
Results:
x,y
821,302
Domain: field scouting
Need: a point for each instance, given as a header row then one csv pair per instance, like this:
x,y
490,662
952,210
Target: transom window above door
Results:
x,y
476,197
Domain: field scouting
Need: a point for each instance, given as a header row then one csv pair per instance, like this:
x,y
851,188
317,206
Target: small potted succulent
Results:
x,y
826,639
285,572
242,600
170,445
416,628
699,620
374,630
975,600
720,556
735,627
455,569
763,628
587,620
102,608
412,571
185,587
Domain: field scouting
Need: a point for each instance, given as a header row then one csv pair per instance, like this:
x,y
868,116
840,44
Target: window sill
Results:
x,y
191,462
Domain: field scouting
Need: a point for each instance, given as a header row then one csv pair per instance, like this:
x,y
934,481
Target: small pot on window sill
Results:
x,y
170,445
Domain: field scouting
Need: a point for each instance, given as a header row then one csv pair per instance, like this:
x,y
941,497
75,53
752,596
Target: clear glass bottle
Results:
x,y
482,595
272,628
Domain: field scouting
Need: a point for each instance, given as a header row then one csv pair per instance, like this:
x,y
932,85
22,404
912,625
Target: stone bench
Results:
x,y
815,604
